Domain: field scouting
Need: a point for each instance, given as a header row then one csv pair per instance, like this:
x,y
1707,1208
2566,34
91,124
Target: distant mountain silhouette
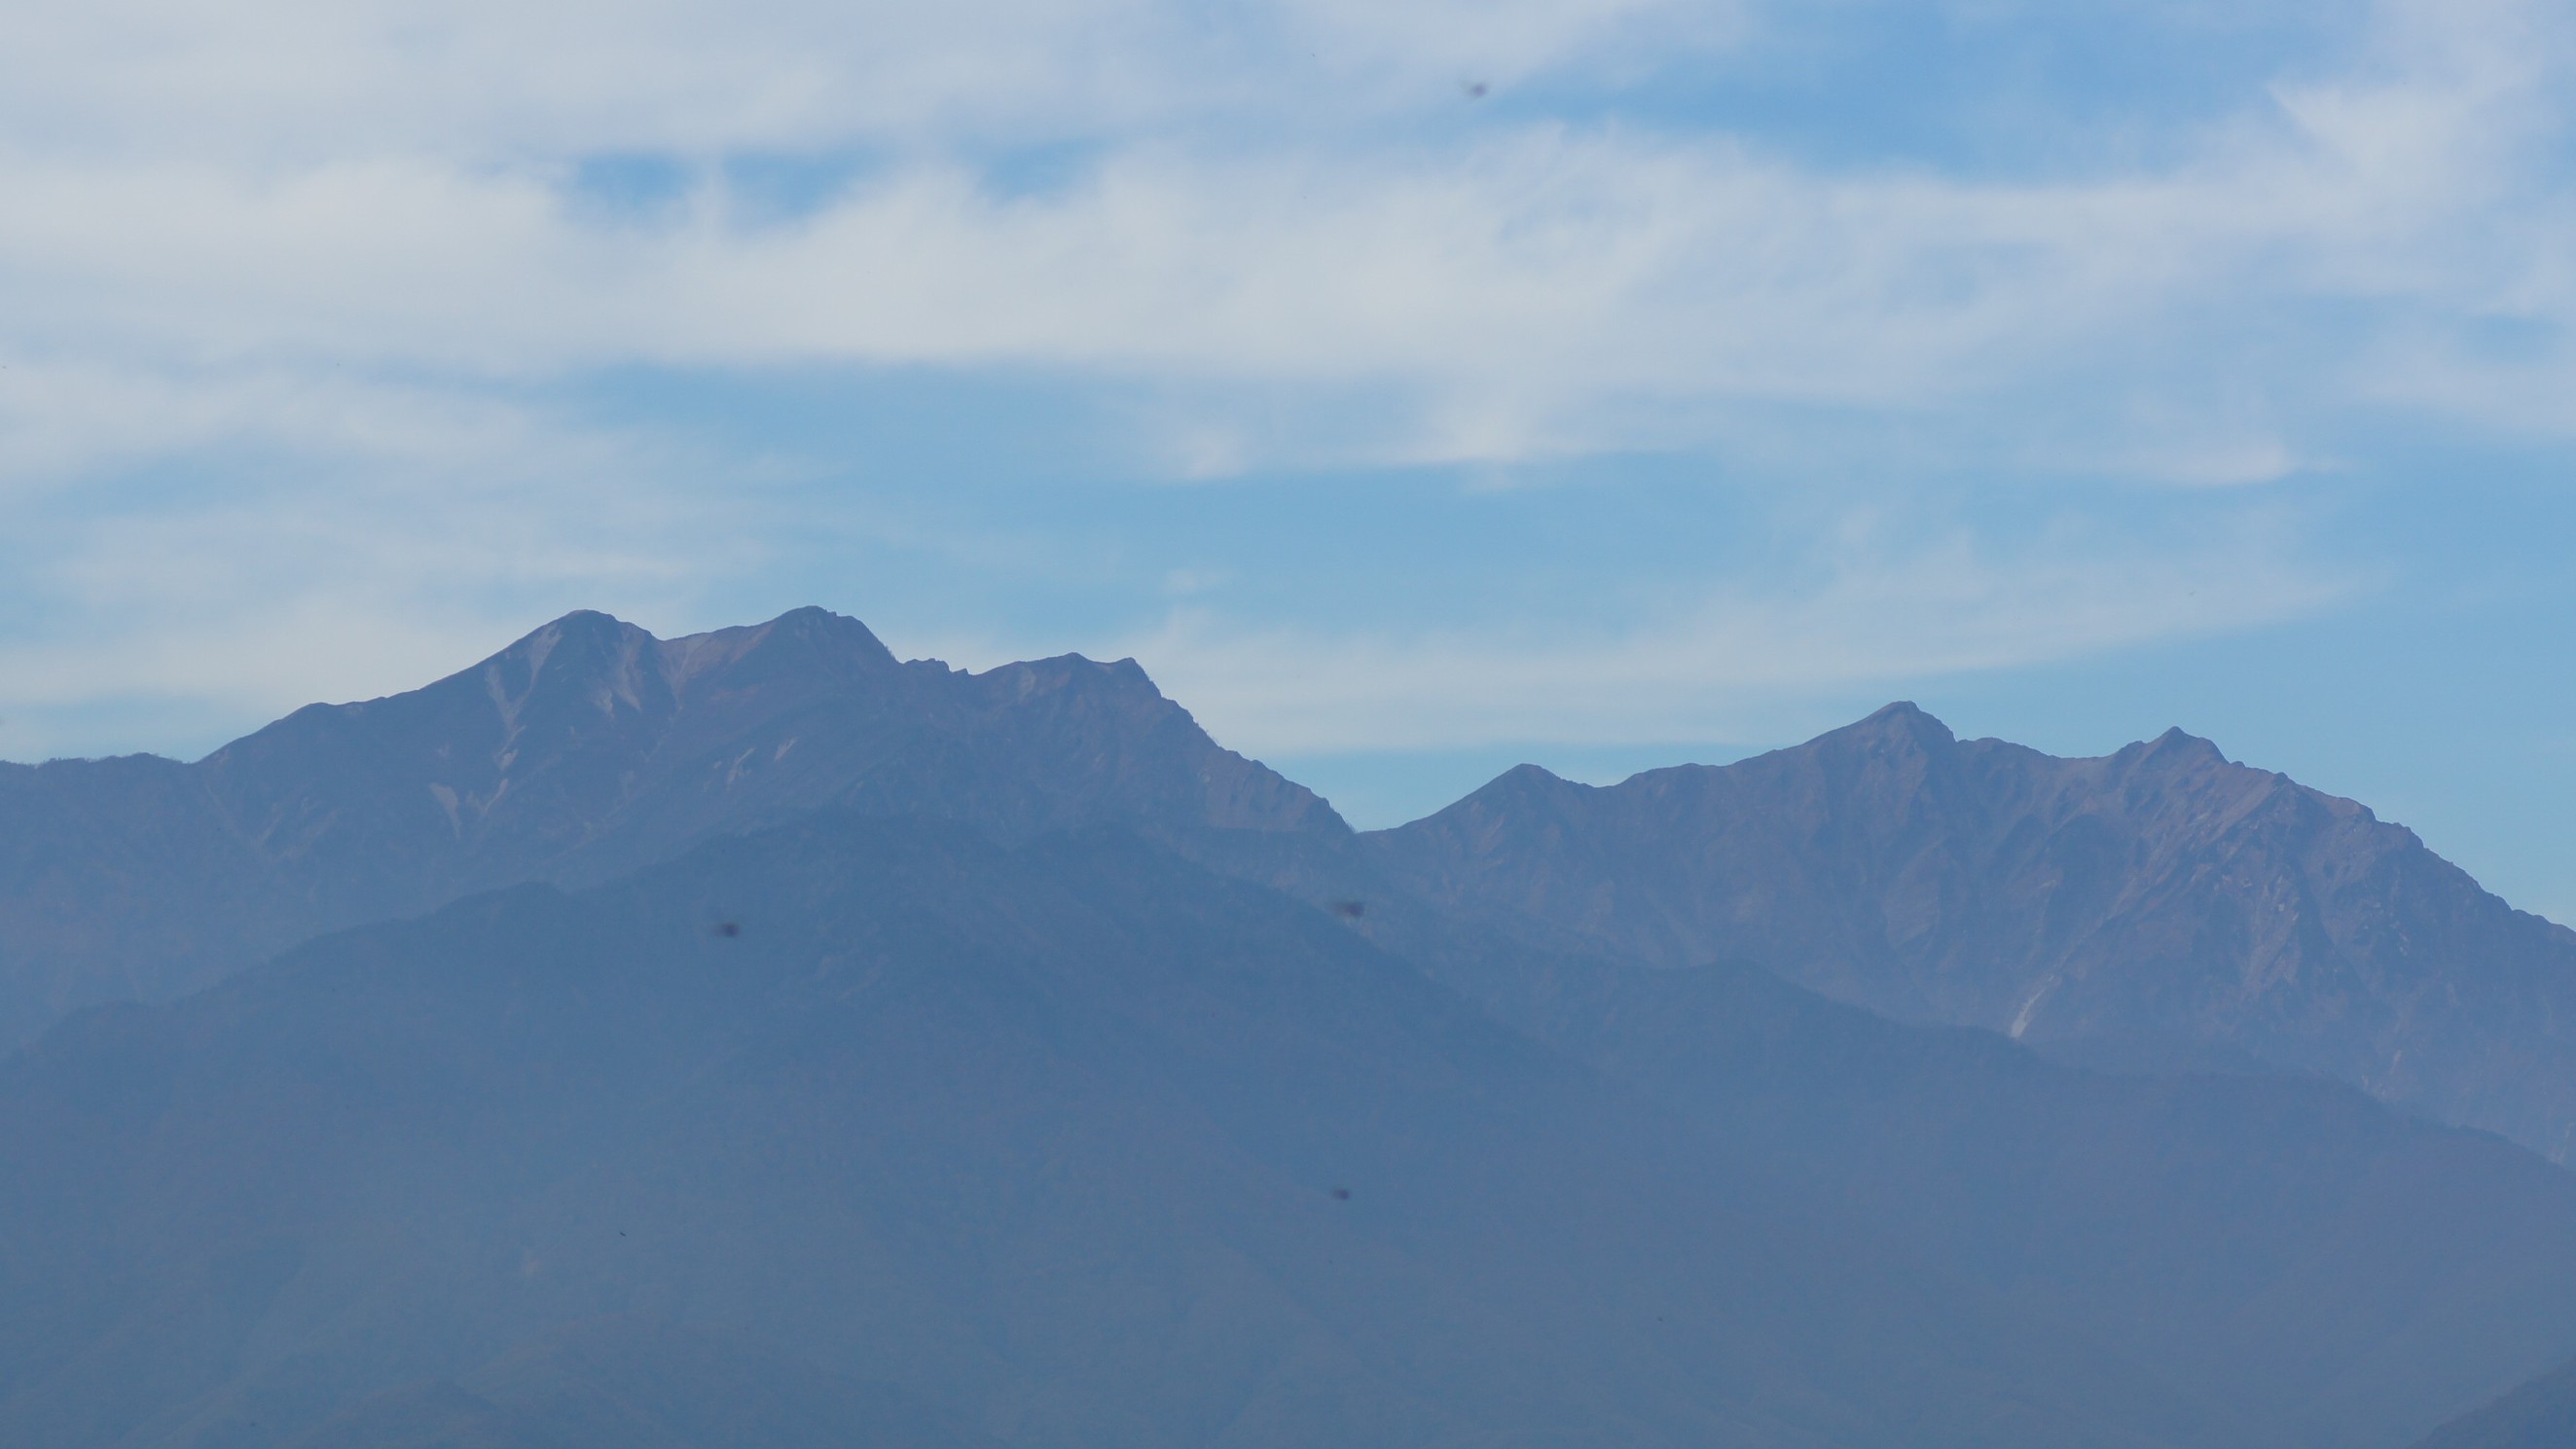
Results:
x,y
1072,1142
2156,907
796,1046
583,750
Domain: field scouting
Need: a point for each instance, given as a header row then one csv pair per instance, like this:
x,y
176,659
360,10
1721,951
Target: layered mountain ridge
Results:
x,y
806,1044
882,1133
583,750
2159,905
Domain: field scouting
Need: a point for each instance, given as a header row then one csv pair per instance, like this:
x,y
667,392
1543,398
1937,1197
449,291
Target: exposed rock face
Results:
x,y
2158,905
585,749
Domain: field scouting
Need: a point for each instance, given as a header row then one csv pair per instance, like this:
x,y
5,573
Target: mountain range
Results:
x,y
583,750
2159,906
754,1038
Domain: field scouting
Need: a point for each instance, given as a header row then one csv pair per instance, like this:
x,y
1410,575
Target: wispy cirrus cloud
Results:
x,y
278,83
1533,285
1868,610
364,247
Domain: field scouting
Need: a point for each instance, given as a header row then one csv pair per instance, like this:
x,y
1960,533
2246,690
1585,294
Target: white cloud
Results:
x,y
1532,288
1721,667
283,82
65,419
331,538
343,237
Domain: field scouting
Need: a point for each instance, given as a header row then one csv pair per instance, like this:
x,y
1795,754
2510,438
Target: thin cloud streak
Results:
x,y
1720,669
352,243
266,83
1533,288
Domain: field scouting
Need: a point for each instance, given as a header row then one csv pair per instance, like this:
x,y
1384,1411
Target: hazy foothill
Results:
x,y
754,1038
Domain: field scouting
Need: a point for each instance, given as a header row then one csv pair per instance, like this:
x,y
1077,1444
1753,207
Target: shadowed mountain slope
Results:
x,y
2158,906
2288,1248
584,750
1076,1142
862,1122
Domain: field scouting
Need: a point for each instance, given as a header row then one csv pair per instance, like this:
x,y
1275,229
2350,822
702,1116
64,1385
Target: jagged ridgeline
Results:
x,y
754,1039
586,749
2156,907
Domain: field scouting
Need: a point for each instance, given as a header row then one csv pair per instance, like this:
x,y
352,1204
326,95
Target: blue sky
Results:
x,y
1414,390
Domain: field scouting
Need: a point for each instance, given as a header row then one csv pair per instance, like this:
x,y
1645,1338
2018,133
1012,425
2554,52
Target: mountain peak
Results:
x,y
2177,748
584,662
1902,725
797,641
580,628
579,619
1522,787
816,625
2161,900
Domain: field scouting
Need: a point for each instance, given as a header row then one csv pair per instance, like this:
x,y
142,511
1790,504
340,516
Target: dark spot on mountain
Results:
x,y
1350,910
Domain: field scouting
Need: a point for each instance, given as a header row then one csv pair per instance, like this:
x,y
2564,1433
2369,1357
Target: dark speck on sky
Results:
x,y
1341,1194
1351,910
728,928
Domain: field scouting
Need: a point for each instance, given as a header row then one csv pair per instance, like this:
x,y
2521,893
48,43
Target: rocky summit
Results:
x,y
754,1038
586,748
2157,906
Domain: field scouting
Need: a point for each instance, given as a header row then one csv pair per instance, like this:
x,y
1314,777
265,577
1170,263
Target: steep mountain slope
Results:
x,y
2285,1245
2159,905
583,750
1077,1143
2288,1248
867,1122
